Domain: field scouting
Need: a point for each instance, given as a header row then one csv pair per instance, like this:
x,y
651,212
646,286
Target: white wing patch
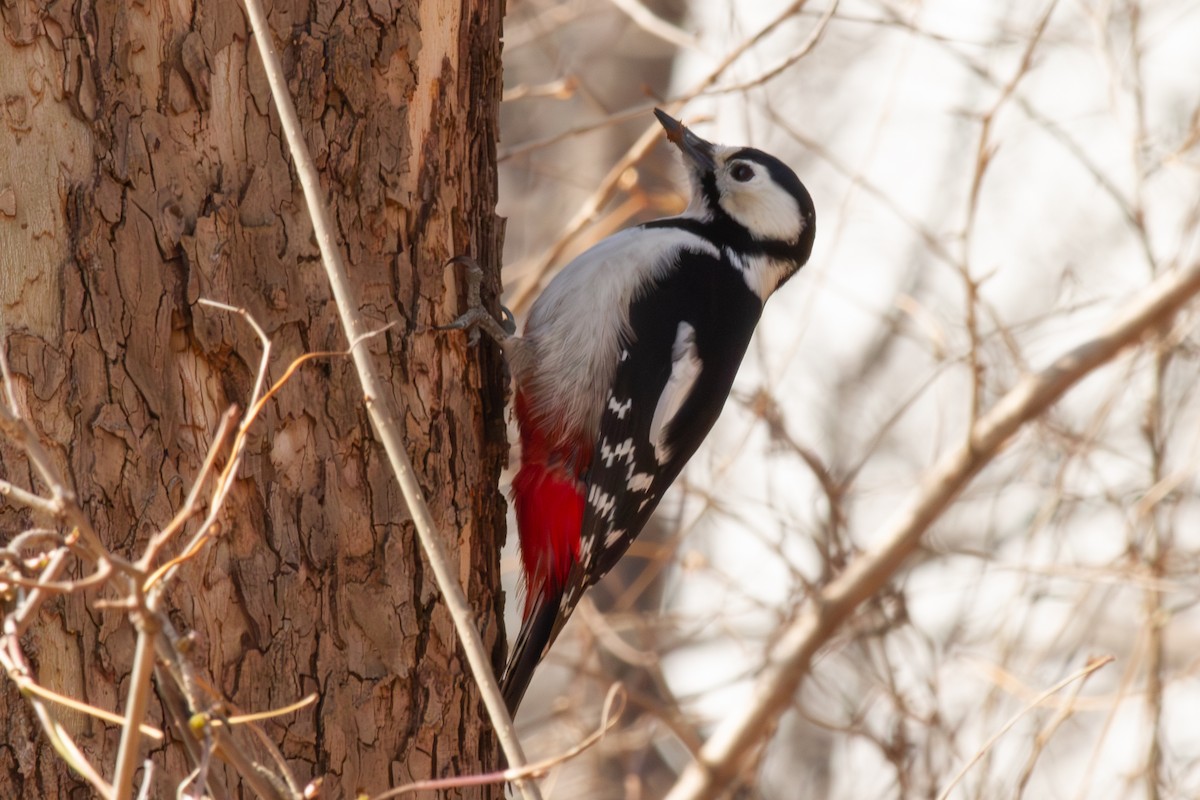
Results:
x,y
639,481
620,409
609,454
685,368
604,503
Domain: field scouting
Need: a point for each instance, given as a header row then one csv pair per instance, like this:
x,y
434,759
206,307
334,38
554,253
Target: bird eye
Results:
x,y
741,172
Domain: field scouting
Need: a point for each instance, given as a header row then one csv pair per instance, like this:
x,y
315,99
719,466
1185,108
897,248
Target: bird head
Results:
x,y
755,194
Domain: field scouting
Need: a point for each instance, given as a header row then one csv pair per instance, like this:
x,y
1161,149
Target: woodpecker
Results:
x,y
627,358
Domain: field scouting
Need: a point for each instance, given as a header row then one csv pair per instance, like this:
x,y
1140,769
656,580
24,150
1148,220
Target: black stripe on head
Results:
x,y
712,195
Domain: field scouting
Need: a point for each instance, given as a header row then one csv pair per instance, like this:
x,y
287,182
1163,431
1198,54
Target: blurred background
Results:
x,y
994,181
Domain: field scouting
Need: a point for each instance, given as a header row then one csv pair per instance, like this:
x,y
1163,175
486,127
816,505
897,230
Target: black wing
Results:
x,y
690,331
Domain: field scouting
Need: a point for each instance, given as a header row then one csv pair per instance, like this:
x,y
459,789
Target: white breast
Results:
x,y
579,325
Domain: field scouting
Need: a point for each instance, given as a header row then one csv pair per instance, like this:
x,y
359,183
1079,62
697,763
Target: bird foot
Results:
x,y
476,318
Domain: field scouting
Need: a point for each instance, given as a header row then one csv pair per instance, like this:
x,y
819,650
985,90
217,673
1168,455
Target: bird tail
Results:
x,y
537,631
549,508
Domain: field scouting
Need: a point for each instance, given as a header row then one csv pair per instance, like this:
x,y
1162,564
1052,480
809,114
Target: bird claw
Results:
x,y
476,318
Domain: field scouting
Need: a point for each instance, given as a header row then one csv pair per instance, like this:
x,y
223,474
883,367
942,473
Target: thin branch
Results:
x,y
655,25
210,527
65,746
61,504
18,669
381,416
135,707
259,780
805,47
16,622
739,735
26,684
20,496
147,780
188,509
261,376
560,89
97,578
1081,674
242,719
608,718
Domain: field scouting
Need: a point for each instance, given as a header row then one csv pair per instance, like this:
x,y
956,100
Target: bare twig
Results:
x,y
655,25
1082,674
609,716
740,734
135,708
290,708
19,671
374,398
805,47
188,509
210,526
261,376
61,503
147,780
25,684
26,498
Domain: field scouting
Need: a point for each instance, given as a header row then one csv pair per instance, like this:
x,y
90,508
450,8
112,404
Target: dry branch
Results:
x,y
739,736
1078,675
138,594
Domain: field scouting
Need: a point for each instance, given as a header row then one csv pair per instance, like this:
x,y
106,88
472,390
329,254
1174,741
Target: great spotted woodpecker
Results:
x,y
627,358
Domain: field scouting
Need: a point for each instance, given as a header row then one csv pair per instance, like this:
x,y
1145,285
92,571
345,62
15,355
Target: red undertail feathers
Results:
x,y
548,499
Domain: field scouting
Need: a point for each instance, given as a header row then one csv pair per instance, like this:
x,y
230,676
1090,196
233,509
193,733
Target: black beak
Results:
x,y
699,151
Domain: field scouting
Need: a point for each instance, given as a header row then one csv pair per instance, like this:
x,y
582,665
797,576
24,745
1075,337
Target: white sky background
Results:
x,y
1044,562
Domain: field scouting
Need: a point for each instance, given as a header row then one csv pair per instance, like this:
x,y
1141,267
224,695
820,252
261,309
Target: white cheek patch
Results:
x,y
762,207
685,368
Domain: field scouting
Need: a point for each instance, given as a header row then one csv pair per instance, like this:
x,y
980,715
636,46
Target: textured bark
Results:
x,y
146,171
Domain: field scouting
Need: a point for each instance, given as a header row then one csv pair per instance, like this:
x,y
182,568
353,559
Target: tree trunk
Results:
x,y
149,171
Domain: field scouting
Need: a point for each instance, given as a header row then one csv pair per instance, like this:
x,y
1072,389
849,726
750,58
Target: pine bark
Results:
x,y
146,171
